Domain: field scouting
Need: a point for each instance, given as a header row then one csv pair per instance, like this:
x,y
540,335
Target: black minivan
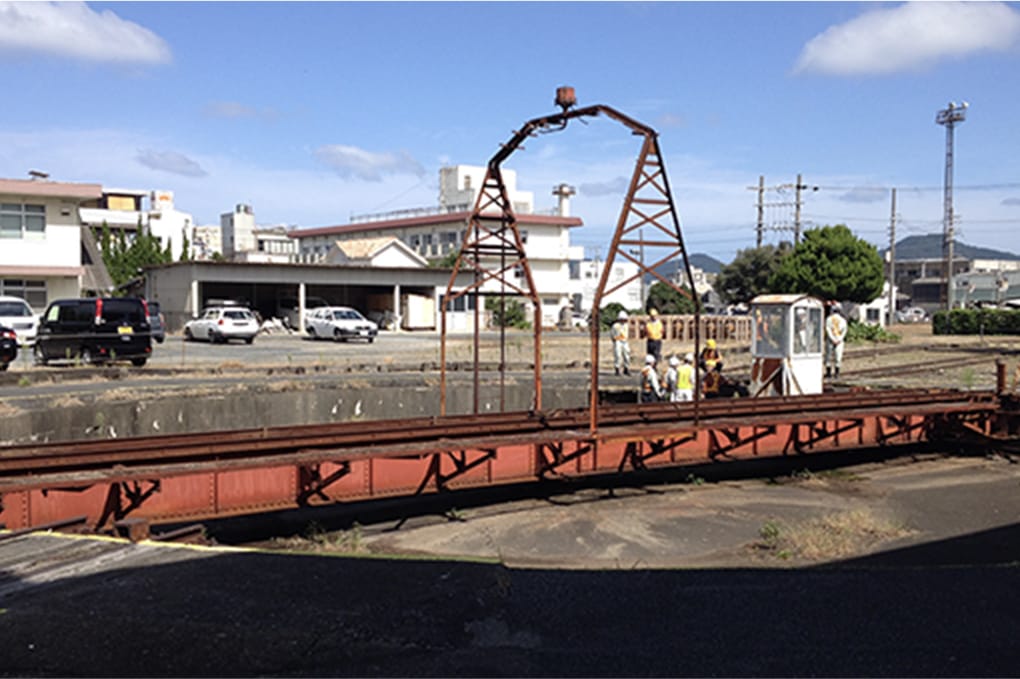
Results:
x,y
95,330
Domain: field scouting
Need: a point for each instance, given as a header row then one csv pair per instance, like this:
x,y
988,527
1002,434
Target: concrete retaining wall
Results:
x,y
267,404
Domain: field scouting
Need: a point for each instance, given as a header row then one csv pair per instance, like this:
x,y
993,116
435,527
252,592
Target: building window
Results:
x,y
33,292
465,302
575,270
18,220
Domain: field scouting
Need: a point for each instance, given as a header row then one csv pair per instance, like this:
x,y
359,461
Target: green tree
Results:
x,y
445,262
185,246
608,314
511,315
124,260
831,263
747,276
668,300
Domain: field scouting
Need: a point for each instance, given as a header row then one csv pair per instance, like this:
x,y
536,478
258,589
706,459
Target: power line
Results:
x,y
970,187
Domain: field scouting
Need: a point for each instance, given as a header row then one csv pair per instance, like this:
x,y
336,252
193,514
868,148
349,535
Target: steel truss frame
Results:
x,y
493,247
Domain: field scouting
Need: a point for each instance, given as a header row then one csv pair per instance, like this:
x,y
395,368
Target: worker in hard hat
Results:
x,y
835,334
653,335
650,390
621,350
679,380
685,379
711,366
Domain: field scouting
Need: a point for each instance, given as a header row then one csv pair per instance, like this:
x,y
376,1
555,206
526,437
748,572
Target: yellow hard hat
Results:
x,y
710,344
654,312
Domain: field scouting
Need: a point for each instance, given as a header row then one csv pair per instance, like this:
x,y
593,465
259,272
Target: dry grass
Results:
x,y
318,541
66,402
834,536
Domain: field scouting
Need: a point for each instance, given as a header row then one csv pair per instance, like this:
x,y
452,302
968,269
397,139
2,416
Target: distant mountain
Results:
x,y
930,247
706,263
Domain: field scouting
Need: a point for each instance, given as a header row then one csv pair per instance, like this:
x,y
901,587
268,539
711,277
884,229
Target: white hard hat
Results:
x,y
649,359
674,361
622,316
689,357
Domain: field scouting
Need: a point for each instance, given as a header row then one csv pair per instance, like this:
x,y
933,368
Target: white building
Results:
x,y
237,231
242,241
41,240
206,242
126,210
585,282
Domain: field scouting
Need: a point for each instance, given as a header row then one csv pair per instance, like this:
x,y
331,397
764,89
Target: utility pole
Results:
x,y
796,210
949,117
781,225
892,260
761,208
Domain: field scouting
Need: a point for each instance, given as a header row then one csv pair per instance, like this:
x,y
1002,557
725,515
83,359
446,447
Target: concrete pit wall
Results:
x,y
287,403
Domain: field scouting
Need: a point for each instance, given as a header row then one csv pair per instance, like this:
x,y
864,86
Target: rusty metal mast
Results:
x,y
493,237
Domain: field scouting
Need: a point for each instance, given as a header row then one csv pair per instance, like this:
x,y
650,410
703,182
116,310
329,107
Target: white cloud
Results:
x,y
170,161
352,162
910,36
72,29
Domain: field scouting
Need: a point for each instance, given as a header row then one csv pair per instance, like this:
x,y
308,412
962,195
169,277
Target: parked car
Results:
x,y
339,323
914,314
222,324
94,330
8,347
16,314
156,322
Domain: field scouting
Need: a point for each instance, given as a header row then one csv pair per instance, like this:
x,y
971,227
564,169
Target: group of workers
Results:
x,y
677,384
679,381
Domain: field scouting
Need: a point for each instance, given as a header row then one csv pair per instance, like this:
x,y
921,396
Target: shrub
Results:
x,y
864,332
976,322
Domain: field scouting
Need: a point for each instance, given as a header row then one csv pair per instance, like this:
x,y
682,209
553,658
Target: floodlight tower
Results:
x,y
949,116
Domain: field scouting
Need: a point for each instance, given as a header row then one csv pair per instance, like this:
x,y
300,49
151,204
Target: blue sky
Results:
x,y
312,112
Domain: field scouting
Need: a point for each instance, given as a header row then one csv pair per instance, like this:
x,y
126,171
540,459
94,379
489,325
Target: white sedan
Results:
x,y
17,315
222,324
339,323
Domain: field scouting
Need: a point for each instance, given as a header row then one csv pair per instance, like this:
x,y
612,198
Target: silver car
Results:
x,y
222,324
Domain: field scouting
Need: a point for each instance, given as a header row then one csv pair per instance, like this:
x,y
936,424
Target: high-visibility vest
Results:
x,y
685,376
654,329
